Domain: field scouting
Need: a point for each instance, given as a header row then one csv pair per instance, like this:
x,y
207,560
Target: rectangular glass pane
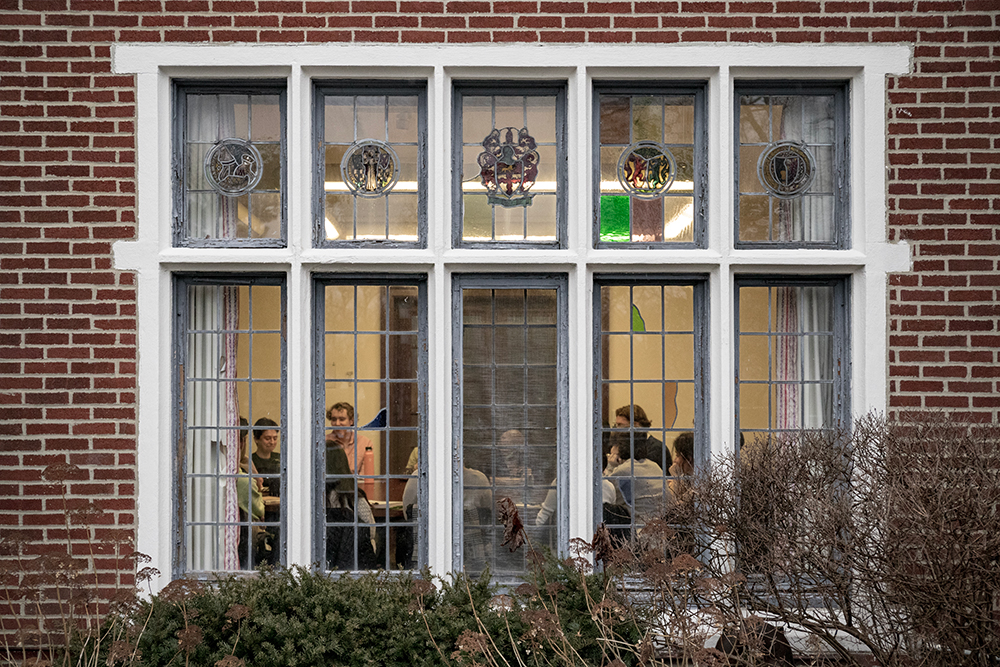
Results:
x,y
232,151
371,457
509,407
232,392
645,189
648,401
511,166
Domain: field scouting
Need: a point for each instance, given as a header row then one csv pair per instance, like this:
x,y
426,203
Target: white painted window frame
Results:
x,y
867,261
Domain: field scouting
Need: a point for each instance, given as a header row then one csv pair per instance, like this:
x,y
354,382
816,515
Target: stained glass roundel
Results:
x,y
786,169
233,167
646,169
370,168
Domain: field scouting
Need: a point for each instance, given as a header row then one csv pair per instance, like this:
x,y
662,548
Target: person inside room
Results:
x,y
266,459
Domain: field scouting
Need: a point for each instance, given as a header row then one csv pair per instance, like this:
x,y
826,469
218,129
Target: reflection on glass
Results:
x,y
509,375
371,371
232,395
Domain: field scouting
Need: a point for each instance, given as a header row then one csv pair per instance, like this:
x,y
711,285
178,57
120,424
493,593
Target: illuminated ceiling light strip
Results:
x,y
540,186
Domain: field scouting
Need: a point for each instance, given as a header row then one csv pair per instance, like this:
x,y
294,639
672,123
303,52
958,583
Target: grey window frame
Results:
x,y
559,282
181,88
842,351
699,90
180,282
840,90
514,88
318,415
702,367
322,88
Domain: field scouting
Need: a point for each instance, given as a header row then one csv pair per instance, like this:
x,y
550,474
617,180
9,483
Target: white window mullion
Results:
x,y
439,314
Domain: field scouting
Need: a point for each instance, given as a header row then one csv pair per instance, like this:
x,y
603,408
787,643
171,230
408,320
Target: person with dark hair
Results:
x,y
640,422
683,465
266,460
262,548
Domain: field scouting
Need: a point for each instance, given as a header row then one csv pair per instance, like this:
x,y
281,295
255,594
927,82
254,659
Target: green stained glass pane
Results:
x,y
615,218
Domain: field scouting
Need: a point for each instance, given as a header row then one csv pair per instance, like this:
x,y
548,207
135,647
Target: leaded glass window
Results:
x,y
371,164
510,423
229,164
509,156
230,378
649,171
791,165
650,356
792,356
370,346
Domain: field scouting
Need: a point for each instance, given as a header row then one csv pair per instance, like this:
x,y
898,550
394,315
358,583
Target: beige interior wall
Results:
x,y
657,398
340,355
754,317
266,351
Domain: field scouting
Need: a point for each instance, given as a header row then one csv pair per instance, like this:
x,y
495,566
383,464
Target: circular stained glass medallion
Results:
x,y
233,167
646,169
370,168
786,169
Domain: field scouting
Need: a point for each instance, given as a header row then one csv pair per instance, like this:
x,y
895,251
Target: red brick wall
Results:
x,y
67,184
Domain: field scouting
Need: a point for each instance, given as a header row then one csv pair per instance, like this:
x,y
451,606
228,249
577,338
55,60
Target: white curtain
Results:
x,y
213,428
210,118
807,119
804,364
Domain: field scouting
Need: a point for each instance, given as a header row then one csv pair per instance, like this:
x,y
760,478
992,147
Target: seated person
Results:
x,y
640,479
346,438
342,508
548,509
266,461
251,504
640,422
413,461
683,466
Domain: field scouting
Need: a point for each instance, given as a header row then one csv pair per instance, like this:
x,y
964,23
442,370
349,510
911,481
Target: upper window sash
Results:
x,y
791,175
650,165
509,164
370,164
229,164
